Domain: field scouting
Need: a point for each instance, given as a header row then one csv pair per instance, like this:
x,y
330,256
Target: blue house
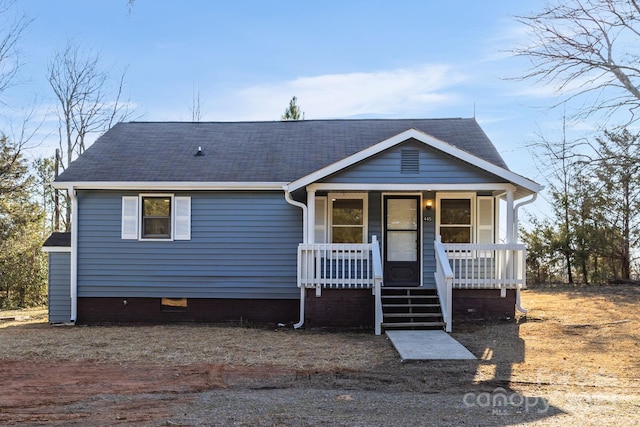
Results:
x,y
377,223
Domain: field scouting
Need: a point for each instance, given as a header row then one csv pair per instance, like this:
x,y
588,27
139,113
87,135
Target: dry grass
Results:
x,y
571,336
23,317
579,333
187,344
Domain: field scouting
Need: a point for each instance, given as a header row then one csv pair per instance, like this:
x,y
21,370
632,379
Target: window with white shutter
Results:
x,y
156,217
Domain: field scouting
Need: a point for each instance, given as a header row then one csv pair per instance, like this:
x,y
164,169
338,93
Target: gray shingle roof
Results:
x,y
58,239
252,151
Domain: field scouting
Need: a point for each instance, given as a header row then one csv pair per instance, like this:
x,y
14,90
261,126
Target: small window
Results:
x,y
156,217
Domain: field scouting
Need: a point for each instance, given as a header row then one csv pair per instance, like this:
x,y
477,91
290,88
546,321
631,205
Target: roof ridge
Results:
x,y
298,121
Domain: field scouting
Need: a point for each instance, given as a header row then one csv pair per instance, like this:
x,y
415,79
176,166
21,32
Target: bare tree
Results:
x,y
87,103
588,49
196,113
11,30
559,160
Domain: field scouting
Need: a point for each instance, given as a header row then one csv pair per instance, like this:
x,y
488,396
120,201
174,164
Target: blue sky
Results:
x,y
342,59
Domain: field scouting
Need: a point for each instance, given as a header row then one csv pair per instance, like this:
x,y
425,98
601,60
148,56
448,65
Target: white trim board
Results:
x,y
56,249
168,185
411,187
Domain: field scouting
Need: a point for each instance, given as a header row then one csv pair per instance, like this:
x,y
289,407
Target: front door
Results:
x,y
401,241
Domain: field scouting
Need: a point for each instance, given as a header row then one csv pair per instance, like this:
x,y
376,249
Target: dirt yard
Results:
x,y
573,360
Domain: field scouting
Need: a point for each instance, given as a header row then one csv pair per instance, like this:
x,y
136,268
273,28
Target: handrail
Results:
x,y
444,283
377,283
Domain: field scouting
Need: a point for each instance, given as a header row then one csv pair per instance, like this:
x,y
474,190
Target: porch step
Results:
x,y
385,315
411,305
411,308
411,325
433,297
410,290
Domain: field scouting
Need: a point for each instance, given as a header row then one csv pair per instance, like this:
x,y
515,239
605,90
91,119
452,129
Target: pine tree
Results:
x,y
23,270
293,111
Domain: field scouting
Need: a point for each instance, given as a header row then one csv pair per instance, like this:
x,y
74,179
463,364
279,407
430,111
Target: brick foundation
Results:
x,y
150,310
483,304
340,308
335,308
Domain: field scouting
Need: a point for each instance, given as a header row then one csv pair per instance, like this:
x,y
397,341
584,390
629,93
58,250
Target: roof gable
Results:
x,y
411,162
424,138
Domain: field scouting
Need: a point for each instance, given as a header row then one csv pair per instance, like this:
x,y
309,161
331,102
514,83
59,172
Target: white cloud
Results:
x,y
393,93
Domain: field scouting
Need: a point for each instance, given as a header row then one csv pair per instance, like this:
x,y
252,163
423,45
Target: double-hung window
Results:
x,y
156,217
466,218
348,218
456,220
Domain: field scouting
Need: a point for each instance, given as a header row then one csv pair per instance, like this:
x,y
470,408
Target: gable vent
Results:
x,y
410,162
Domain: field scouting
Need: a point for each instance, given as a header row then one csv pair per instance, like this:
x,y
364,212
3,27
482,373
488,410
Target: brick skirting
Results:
x,y
205,310
335,308
483,304
340,308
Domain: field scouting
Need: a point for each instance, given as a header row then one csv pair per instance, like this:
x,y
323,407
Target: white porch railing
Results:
x,y
335,266
495,266
444,282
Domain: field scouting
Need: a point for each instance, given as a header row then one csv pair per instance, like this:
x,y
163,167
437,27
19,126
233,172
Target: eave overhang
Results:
x,y
168,185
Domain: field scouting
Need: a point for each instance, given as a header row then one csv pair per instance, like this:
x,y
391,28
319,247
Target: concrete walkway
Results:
x,y
428,345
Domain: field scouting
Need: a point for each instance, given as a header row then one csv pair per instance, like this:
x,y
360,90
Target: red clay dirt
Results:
x,y
43,391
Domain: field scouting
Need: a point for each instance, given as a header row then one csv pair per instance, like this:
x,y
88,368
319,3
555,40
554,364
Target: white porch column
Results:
x,y
74,254
311,207
511,226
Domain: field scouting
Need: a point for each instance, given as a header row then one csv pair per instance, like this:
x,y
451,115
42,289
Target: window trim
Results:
x,y
172,217
331,197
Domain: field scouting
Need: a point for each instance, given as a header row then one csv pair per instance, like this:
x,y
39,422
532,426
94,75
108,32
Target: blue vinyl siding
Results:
x,y
59,287
243,245
435,168
375,216
428,250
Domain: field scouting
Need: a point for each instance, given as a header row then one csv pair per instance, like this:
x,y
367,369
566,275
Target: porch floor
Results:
x,y
428,345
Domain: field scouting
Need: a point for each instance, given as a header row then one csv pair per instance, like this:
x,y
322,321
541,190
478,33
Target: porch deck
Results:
x,y
458,266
